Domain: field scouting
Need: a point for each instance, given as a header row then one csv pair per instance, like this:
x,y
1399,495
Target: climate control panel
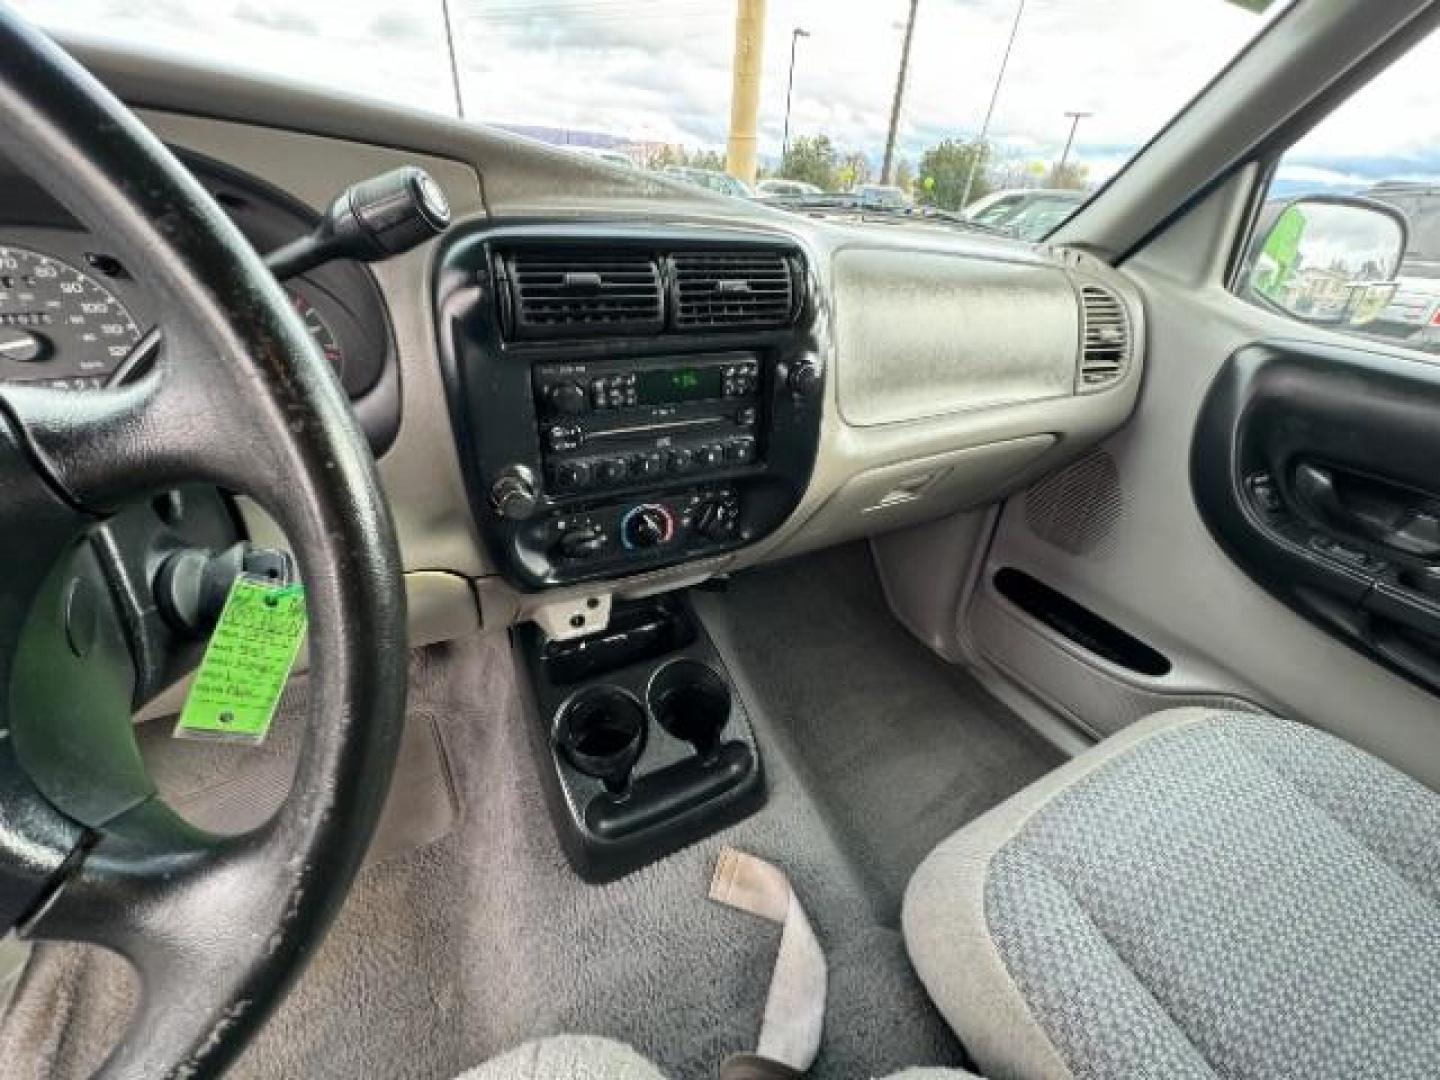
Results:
x,y
600,443
628,533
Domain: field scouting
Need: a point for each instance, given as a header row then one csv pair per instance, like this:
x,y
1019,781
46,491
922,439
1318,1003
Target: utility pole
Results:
x,y
1075,118
454,60
795,36
899,94
979,149
745,95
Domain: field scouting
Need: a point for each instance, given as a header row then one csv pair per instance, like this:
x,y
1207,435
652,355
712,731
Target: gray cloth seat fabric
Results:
x,y
578,1057
1203,895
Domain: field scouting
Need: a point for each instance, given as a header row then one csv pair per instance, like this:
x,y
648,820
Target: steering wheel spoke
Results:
x,y
181,422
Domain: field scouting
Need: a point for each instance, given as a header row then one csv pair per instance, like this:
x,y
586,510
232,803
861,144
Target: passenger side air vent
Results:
x,y
732,290
1104,338
565,293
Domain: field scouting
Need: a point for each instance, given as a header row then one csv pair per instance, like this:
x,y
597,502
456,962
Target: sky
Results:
x,y
659,70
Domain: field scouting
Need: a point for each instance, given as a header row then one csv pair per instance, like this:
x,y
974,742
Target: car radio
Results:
x,y
625,402
614,424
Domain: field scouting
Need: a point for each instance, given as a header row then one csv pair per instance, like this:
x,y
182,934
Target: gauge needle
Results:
x,y
18,345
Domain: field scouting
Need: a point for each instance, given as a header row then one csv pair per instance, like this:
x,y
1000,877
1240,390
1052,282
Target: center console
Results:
x,y
625,399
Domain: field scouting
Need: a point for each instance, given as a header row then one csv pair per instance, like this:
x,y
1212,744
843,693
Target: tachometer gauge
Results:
x,y
320,330
58,324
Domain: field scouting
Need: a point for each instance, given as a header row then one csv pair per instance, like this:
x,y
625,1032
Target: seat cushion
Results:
x,y
1206,894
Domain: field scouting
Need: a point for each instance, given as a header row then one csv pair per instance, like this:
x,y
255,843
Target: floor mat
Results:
x,y
897,747
449,954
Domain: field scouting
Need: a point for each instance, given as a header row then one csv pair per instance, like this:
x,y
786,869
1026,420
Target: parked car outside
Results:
x,y
776,186
1039,217
1413,314
711,180
999,208
881,197
613,157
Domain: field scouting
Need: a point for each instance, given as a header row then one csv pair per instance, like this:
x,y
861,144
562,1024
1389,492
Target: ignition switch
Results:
x,y
192,584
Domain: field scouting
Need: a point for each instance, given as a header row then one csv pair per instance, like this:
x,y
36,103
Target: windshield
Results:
x,y
993,95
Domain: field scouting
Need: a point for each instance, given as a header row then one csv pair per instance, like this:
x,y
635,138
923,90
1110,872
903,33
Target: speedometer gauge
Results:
x,y
58,324
320,330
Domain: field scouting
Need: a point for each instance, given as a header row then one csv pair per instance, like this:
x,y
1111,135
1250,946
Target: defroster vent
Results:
x,y
732,290
565,293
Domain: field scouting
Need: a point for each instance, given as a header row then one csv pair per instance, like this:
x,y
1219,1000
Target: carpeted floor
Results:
x,y
449,953
897,748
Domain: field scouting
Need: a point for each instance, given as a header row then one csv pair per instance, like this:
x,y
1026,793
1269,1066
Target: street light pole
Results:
x,y
899,94
1075,118
979,148
795,36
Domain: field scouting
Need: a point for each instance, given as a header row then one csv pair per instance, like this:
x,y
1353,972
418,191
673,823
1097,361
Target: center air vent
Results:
x,y
565,293
1104,337
731,290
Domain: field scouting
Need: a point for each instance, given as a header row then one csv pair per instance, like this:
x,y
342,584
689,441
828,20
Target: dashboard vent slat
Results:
x,y
569,293
732,290
1104,338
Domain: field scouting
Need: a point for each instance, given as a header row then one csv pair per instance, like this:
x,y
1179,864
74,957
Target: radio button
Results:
x,y
647,464
677,459
708,457
563,437
613,470
740,451
573,474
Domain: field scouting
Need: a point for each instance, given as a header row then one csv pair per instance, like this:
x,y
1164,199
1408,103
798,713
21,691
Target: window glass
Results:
x,y
1349,234
997,94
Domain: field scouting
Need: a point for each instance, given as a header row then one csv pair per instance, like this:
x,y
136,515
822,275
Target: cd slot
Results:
x,y
666,427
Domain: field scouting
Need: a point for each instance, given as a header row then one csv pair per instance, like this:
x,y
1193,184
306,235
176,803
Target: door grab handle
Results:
x,y
1413,531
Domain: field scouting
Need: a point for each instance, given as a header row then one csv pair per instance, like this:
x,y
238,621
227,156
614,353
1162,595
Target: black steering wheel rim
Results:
x,y
216,928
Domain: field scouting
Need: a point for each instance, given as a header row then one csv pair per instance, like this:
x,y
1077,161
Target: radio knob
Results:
x,y
513,493
647,526
613,470
568,398
804,380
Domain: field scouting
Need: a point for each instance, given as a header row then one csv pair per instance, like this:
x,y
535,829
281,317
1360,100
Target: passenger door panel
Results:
x,y
1184,580
1315,467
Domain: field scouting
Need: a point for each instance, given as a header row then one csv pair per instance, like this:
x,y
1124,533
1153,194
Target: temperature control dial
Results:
x,y
646,526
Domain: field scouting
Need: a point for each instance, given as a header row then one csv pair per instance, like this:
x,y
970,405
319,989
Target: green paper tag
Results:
x,y
251,652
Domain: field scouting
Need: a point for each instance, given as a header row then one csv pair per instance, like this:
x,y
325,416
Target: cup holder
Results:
x,y
601,732
691,701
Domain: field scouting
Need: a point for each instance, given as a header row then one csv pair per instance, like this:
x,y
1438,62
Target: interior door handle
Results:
x,y
1409,529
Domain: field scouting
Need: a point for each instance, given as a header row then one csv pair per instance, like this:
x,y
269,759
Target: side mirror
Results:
x,y
1330,260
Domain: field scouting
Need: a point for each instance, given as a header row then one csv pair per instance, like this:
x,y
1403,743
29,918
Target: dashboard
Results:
x,y
612,384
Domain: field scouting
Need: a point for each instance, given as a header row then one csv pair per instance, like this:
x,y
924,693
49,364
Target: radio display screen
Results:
x,y
674,385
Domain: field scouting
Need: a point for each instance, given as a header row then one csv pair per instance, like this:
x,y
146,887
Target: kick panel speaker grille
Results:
x,y
1078,508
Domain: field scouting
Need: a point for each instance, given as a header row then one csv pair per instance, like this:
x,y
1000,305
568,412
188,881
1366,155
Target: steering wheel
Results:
x,y
216,927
